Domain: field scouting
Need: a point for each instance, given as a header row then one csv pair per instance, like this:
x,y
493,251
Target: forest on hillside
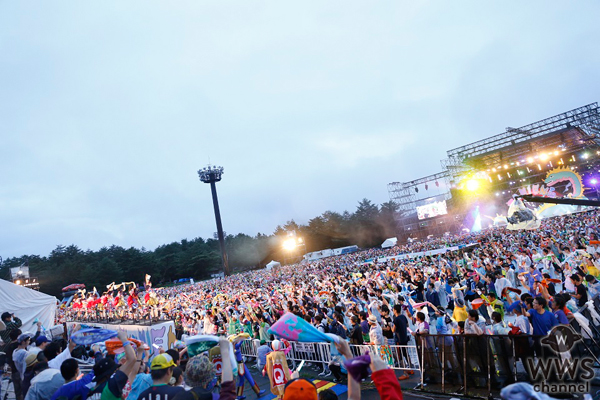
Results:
x,y
368,226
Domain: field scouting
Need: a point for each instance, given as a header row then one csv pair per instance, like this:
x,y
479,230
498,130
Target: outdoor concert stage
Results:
x,y
555,157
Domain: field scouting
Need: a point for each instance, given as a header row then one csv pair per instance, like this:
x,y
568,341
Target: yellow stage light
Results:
x,y
543,156
505,166
472,185
529,159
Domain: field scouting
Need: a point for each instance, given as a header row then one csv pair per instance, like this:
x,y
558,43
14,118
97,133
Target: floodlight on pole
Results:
x,y
212,174
289,244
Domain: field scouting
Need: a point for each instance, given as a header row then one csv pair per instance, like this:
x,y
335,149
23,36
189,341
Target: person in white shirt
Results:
x,y
209,327
375,332
20,354
471,324
510,276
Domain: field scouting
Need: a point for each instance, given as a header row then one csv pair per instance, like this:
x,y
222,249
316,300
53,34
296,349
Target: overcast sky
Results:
x,y
109,108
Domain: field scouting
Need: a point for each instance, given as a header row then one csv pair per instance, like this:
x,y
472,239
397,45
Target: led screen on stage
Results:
x,y
432,210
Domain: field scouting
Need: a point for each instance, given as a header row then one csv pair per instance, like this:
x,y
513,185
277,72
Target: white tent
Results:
x,y
27,304
273,264
391,242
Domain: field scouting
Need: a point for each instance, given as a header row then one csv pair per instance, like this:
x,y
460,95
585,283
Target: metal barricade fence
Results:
x,y
474,365
397,357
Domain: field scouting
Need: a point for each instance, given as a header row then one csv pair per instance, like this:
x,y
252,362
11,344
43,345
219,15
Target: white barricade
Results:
x,y
397,357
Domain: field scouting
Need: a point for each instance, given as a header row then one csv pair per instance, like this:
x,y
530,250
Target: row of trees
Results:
x,y
368,226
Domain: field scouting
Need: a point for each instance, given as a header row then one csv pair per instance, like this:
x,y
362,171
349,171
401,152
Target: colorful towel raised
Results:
x,y
294,328
92,335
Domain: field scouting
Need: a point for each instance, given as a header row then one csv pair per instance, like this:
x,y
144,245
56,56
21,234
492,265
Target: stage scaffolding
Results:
x,y
573,130
576,128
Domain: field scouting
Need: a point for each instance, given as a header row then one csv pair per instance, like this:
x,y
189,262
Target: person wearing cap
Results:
x,y
11,323
30,362
460,311
10,349
21,353
109,377
41,342
161,370
200,373
375,332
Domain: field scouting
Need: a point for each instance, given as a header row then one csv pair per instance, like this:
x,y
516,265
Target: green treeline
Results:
x,y
198,258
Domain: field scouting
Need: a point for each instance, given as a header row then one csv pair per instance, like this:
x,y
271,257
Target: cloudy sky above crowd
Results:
x,y
108,109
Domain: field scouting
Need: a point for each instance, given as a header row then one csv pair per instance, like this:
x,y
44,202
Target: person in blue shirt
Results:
x,y
541,319
73,388
558,303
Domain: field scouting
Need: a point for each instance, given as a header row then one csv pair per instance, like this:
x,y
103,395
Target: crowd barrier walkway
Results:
x,y
397,357
473,365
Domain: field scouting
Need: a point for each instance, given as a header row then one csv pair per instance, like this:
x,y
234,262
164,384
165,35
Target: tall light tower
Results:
x,y
212,174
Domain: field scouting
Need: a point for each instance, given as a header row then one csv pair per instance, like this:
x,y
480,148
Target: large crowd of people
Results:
x,y
520,283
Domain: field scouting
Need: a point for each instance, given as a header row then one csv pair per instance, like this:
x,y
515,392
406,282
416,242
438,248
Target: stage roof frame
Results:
x,y
587,118
581,125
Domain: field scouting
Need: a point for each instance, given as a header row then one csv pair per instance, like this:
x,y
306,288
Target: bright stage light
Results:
x,y
529,159
505,166
289,244
472,185
556,153
594,181
585,155
494,169
543,156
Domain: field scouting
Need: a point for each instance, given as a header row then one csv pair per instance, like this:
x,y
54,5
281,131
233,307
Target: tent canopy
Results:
x,y
391,242
273,264
27,304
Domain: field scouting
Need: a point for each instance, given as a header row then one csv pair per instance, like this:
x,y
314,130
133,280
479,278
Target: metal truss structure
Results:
x,y
405,193
573,130
576,128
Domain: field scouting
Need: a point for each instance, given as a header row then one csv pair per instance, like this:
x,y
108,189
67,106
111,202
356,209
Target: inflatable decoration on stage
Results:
x,y
521,217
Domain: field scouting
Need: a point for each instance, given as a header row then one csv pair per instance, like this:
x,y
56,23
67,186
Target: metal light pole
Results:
x,y
212,175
